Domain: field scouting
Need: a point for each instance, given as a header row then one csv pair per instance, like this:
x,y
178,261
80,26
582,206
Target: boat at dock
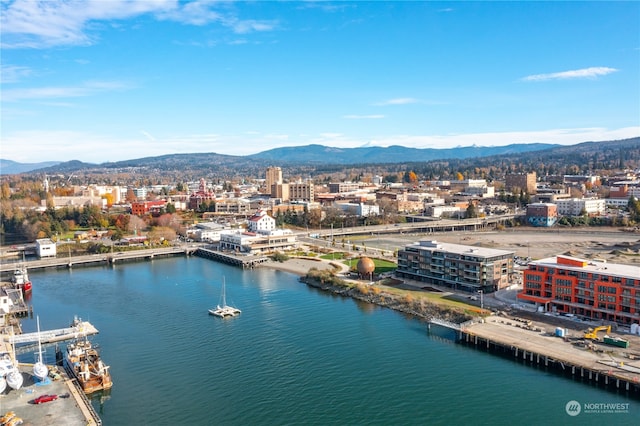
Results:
x,y
83,361
21,280
223,310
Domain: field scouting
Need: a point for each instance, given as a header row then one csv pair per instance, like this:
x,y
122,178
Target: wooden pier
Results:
x,y
78,329
610,367
246,262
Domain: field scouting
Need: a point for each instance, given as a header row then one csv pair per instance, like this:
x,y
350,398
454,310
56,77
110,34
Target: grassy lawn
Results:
x,y
335,256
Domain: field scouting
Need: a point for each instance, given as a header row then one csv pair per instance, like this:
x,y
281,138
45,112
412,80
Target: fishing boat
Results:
x,y
21,280
84,362
223,310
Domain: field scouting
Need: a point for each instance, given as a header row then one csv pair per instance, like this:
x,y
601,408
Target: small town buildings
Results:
x,y
596,290
45,247
460,267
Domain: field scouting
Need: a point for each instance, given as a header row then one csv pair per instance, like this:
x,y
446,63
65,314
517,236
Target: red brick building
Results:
x,y
591,289
144,207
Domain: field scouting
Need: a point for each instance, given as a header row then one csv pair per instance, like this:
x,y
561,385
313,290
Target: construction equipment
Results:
x,y
592,333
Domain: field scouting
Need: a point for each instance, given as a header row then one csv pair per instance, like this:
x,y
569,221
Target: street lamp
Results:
x,y
481,299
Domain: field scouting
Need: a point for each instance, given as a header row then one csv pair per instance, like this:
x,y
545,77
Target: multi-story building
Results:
x,y
578,206
273,177
140,208
302,191
542,214
461,267
521,182
592,289
202,195
341,187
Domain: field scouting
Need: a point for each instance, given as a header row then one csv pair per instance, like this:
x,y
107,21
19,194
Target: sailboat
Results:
x,y
223,310
14,376
40,370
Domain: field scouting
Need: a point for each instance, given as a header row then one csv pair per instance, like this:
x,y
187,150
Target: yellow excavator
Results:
x,y
592,333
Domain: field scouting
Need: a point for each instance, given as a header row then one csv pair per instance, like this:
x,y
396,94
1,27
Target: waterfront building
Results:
x,y
45,247
261,223
251,243
593,289
461,267
542,214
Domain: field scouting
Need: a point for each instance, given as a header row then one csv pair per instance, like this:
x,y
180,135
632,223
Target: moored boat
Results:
x,y
21,280
84,362
223,310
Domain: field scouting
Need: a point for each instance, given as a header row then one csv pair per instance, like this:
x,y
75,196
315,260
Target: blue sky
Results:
x,y
109,80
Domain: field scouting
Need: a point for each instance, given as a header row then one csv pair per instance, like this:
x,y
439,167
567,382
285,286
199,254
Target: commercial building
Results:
x,y
144,207
591,289
521,182
273,177
461,267
45,247
542,214
342,187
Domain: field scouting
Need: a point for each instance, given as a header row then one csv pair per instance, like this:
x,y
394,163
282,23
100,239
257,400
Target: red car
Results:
x,y
45,398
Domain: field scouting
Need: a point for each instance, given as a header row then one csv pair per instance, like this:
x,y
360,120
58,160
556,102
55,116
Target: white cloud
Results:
x,y
40,24
591,72
398,101
363,117
13,73
86,89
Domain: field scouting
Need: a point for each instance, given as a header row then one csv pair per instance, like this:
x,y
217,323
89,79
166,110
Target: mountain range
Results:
x,y
309,154
585,155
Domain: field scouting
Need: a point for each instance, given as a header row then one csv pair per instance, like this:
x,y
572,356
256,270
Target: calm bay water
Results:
x,y
294,356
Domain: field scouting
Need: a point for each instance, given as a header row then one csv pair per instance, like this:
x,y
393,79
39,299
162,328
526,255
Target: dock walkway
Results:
x,y
596,362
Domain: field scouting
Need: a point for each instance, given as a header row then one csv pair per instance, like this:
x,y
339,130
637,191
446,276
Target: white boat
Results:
x,y
40,370
223,310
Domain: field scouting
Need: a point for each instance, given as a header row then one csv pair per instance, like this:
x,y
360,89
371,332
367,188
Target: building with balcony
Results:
x,y
461,267
590,289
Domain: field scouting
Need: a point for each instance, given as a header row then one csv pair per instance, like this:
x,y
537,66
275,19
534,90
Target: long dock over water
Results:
x,y
79,329
594,362
246,262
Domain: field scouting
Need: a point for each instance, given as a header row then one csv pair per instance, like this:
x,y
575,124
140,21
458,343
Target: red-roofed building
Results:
x,y
261,223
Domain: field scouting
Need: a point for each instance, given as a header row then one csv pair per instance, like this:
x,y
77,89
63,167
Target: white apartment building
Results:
x,y
575,206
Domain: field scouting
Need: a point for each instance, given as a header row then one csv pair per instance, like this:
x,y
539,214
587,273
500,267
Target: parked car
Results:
x,y
45,398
